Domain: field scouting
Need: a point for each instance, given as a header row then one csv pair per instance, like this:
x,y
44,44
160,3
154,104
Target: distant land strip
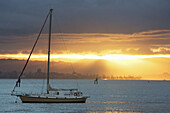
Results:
x,y
55,75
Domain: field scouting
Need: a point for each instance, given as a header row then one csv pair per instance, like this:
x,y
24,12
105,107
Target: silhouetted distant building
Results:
x,y
39,70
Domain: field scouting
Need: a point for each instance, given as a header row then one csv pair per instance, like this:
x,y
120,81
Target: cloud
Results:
x,y
153,34
85,16
148,42
161,50
87,26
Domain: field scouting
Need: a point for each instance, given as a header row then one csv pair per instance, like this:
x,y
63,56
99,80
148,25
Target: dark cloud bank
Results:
x,y
20,20
20,17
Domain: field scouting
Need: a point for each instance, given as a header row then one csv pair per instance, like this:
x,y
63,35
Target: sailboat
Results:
x,y
52,95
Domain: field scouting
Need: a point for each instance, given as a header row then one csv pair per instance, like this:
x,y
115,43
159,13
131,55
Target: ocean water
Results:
x,y
105,97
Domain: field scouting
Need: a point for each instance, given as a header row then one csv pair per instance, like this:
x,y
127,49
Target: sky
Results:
x,y
112,37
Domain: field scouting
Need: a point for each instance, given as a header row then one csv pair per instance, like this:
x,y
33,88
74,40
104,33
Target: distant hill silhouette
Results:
x,y
11,68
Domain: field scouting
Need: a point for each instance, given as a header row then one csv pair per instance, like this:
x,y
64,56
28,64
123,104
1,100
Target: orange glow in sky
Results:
x,y
55,57
106,54
147,66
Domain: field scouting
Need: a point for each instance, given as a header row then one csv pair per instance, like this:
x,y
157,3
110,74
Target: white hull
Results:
x,y
27,99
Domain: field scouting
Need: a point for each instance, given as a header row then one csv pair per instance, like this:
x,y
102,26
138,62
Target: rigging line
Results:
x,y
43,77
19,78
52,76
67,53
44,74
61,37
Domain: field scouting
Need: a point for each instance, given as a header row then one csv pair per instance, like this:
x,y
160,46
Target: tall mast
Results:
x,y
48,69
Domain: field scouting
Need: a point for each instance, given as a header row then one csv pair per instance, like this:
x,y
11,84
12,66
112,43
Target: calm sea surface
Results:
x,y
107,96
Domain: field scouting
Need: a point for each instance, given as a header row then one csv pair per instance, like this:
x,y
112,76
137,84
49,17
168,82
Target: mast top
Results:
x,y
51,10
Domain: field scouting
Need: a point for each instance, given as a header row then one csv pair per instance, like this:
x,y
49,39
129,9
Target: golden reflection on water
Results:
x,y
113,109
